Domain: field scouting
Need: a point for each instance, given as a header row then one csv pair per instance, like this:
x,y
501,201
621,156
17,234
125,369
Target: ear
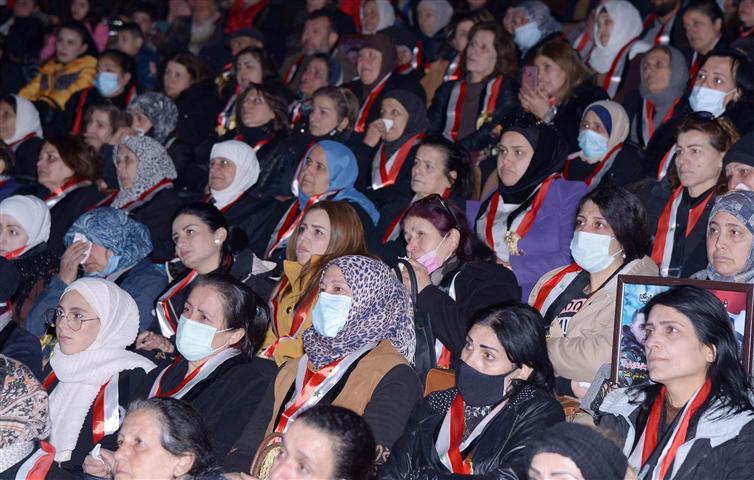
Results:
x,y
183,465
332,38
343,124
236,336
453,176
221,234
718,25
737,95
523,373
127,76
454,238
710,353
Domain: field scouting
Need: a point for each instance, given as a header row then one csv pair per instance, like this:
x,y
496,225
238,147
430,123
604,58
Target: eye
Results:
x,y
78,315
600,225
580,222
649,331
670,329
190,232
488,356
712,231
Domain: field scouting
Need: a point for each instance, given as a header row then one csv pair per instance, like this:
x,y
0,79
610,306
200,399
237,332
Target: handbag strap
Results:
x,y
411,278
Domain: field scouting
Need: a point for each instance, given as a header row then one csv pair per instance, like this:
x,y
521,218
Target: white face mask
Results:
x,y
330,313
705,99
591,251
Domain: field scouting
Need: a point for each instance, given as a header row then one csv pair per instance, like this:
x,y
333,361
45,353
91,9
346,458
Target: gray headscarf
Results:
x,y
443,11
740,204
539,13
679,77
154,164
160,110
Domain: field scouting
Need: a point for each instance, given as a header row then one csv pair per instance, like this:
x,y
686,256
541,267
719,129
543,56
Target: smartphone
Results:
x,y
530,77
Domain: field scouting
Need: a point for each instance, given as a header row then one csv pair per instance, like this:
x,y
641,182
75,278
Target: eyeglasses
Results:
x,y
75,319
436,197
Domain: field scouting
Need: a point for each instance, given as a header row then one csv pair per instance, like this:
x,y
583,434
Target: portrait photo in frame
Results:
x,y
629,366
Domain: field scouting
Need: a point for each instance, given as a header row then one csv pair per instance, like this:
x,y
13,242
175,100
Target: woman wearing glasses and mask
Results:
x,y
456,272
91,376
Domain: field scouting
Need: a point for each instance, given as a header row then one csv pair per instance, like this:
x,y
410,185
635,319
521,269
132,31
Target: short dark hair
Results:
x,y
324,13
144,7
626,215
457,159
77,155
346,103
520,330
83,33
124,61
117,117
730,384
351,438
269,72
182,431
131,27
706,7
242,308
214,219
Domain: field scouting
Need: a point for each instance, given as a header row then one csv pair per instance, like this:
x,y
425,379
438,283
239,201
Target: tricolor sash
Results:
x,y
38,464
198,375
455,104
600,169
553,287
166,317
361,119
300,314
648,123
67,187
454,70
291,72
614,75
385,170
290,220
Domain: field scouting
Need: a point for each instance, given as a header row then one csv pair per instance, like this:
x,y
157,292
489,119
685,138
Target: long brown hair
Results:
x,y
568,59
346,238
506,64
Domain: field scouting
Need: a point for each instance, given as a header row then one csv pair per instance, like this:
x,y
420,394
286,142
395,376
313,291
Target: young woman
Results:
x,y
577,301
21,131
502,399
605,156
528,220
327,231
361,341
699,392
95,320
466,110
104,126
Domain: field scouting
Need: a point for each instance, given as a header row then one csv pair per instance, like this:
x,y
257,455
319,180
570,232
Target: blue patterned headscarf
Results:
x,y
343,169
116,231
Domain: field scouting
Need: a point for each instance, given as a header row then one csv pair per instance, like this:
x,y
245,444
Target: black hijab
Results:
x,y
417,118
550,151
383,44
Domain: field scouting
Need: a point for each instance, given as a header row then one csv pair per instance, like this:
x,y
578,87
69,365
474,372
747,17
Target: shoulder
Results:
x,y
642,266
531,400
569,190
485,271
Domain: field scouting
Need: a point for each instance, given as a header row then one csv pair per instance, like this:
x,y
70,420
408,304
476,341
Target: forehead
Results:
x,y
323,101
73,299
334,274
392,103
186,219
318,217
484,36
317,64
692,137
727,218
514,138
318,153
590,209
6,219
657,56
418,223
430,153
722,65
205,298
661,313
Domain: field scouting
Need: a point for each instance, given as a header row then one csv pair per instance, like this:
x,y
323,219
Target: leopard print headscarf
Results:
x,y
154,164
381,310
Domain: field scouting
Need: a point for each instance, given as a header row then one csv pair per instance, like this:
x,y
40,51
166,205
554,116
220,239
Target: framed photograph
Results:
x,y
629,364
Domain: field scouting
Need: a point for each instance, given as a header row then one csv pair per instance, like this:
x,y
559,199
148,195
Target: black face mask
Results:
x,y
479,389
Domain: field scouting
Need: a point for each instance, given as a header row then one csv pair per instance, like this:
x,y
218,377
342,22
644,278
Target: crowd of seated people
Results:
x,y
374,239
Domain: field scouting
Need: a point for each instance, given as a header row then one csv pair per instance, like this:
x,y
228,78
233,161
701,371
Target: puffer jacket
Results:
x,y
56,82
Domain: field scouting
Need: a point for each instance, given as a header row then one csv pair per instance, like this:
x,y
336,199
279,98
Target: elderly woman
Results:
x,y
605,156
376,15
617,26
145,176
21,130
432,16
95,320
357,356
233,170
160,439
532,23
105,243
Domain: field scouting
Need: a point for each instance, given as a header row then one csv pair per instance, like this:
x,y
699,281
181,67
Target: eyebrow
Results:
x,y
314,225
662,322
481,345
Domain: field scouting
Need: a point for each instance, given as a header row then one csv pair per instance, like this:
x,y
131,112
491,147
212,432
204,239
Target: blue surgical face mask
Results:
x,y
592,144
106,83
703,99
591,251
527,35
194,340
111,267
330,313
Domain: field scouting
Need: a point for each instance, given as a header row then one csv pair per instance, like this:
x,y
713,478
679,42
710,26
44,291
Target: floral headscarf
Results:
x,y
154,165
160,110
380,310
23,405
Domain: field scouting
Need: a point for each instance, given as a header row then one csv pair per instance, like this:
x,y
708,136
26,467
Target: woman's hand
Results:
x,y
70,261
148,340
534,101
422,276
121,134
103,467
375,132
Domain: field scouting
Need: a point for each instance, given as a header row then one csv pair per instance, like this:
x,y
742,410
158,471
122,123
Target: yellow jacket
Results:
x,y
289,344
56,82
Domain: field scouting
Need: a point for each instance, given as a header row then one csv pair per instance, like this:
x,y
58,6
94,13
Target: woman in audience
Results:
x,y
363,324
664,76
106,243
24,231
528,220
697,412
95,320
21,131
326,442
604,157
578,301
145,173
432,16
104,126
73,69
532,24
160,439
233,171
376,15
8,184
738,163
318,70
66,170
216,371
616,28
456,273
488,86
565,88
703,22
329,172
328,230
681,214
503,398
393,139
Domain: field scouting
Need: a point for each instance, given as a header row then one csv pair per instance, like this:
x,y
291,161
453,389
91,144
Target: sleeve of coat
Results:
x,y
31,90
84,79
239,457
35,322
400,463
144,289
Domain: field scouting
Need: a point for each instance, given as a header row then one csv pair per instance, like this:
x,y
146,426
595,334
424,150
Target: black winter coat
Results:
x,y
27,156
627,168
157,214
568,118
198,107
499,451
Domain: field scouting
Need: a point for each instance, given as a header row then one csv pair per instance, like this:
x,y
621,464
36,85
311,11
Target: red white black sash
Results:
x,y
296,112
167,318
106,411
553,287
662,251
15,253
310,386
198,375
78,119
600,170
449,443
290,220
581,42
385,170
455,104
614,76
665,161
300,314
366,107
59,193
648,122
226,119
13,146
454,70
661,38
291,72
147,196
38,464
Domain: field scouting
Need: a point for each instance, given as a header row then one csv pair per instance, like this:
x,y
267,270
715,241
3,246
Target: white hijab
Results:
x,y
247,170
27,121
627,26
443,11
32,214
387,16
82,374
